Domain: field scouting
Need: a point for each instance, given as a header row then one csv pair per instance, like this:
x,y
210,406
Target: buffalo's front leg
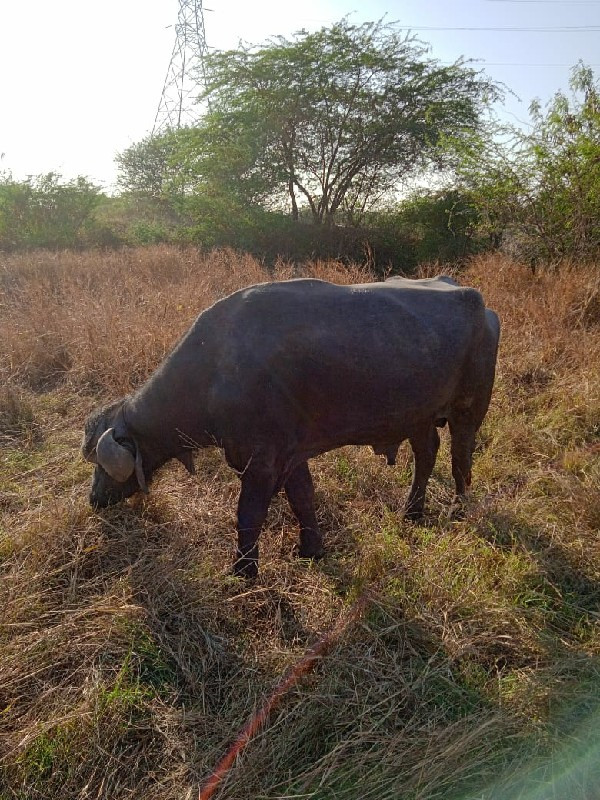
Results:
x,y
253,505
301,497
425,447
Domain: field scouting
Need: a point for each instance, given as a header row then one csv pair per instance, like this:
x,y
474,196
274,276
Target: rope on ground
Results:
x,y
290,677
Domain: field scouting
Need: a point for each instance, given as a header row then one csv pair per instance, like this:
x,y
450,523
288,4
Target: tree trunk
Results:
x,y
295,215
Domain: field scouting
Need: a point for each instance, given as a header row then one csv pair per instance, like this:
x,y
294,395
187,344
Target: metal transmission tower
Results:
x,y
186,69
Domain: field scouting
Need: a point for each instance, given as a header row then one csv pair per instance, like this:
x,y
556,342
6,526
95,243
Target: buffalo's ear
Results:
x,y
187,459
139,471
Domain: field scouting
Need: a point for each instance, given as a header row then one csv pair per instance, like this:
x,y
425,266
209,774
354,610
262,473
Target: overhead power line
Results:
x,y
552,2
509,64
483,63
512,29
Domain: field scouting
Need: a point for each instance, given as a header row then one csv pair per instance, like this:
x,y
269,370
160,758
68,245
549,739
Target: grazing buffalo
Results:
x,y
279,372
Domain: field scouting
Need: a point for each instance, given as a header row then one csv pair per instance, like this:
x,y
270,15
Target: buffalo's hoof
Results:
x,y
314,554
413,514
457,511
245,568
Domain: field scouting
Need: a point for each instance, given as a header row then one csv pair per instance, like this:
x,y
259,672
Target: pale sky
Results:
x,y
81,81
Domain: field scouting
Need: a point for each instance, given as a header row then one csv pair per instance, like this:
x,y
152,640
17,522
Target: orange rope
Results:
x,y
306,663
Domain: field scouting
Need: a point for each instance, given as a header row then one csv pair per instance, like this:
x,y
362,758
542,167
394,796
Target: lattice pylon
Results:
x,y
185,75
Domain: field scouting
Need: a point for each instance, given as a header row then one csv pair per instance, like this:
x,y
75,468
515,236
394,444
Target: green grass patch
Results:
x,y
50,758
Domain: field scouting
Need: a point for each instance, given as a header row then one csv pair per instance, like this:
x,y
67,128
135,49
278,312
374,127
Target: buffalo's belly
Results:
x,y
375,427
310,428
328,410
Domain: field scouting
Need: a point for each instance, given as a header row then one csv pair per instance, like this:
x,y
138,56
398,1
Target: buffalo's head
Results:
x,y
110,445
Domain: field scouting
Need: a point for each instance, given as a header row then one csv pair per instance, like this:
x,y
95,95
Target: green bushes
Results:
x,y
45,211
437,226
539,192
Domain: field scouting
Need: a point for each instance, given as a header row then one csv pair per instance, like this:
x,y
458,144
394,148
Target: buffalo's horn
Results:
x,y
91,457
139,472
113,457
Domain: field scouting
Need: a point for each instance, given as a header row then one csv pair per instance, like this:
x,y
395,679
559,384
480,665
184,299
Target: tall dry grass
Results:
x,y
129,657
104,320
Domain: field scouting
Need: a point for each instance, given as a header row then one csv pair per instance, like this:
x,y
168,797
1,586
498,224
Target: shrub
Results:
x,y
539,192
45,211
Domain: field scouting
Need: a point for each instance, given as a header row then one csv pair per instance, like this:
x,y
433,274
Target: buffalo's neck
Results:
x,y
169,412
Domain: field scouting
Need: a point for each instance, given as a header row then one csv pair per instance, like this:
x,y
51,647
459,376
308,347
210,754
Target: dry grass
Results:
x,y
128,656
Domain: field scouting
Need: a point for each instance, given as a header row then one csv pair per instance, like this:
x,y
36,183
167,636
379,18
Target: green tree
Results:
x,y
150,167
330,120
565,151
540,190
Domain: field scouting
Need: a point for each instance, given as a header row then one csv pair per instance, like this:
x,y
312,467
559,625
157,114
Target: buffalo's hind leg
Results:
x,y
462,433
425,445
301,497
462,447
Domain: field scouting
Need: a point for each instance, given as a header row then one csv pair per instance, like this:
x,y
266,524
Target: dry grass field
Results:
x,y
129,661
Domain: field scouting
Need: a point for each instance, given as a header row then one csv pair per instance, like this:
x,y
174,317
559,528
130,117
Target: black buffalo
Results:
x,y
279,372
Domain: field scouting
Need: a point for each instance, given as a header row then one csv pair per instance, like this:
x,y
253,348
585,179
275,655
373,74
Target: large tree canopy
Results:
x,y
330,120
